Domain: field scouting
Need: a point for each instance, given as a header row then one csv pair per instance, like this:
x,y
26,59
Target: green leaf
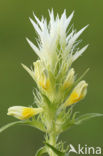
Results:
x,y
41,151
76,121
84,117
34,123
67,125
9,125
67,120
55,150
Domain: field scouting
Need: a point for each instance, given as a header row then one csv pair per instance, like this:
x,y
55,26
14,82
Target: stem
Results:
x,y
52,141
52,135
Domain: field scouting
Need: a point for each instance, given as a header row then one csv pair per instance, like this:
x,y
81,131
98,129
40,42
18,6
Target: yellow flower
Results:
x,y
41,75
23,113
69,79
77,94
43,82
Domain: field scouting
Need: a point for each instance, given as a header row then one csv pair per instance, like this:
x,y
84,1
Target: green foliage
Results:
x,y
34,123
57,152
85,117
9,125
41,151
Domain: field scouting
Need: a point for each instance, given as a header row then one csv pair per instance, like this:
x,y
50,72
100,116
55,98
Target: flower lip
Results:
x,y
23,113
78,93
69,79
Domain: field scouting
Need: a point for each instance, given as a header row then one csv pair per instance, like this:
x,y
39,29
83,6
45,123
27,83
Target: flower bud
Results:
x,y
41,76
77,94
23,113
69,79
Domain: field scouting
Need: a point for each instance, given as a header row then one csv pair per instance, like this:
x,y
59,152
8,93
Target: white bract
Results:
x,y
54,37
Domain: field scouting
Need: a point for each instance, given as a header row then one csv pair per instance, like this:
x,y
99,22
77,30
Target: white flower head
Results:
x,y
53,37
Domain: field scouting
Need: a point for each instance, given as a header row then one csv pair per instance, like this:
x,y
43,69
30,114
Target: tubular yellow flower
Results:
x,y
44,83
77,94
23,113
69,79
41,76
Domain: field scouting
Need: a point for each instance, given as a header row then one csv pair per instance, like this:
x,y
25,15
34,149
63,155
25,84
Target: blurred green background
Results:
x,y
16,86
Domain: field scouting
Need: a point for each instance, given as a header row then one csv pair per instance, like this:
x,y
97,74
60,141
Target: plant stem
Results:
x,y
52,141
52,134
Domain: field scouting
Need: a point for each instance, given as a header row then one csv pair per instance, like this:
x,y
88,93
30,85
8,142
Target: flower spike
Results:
x,y
57,86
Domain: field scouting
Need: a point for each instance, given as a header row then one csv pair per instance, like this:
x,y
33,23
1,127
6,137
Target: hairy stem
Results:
x,y
52,141
52,135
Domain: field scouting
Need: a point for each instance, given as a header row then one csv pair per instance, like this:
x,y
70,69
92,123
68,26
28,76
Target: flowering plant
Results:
x,y
58,88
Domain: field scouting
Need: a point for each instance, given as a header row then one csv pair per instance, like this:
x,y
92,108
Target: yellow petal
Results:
x,y
69,79
77,94
23,113
41,76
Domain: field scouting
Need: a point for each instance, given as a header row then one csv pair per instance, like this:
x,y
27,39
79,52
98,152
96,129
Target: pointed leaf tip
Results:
x,y
36,50
79,53
9,125
30,72
41,151
85,117
55,150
